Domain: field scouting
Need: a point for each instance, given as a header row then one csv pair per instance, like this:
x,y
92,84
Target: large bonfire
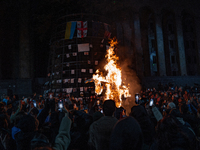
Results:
x,y
113,80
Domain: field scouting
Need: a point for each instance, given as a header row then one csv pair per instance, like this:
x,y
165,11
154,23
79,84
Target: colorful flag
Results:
x,y
81,29
107,33
70,28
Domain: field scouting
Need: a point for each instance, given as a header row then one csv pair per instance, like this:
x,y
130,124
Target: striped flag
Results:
x,y
70,28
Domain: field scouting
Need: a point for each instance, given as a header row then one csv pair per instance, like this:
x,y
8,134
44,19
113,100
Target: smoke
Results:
x,y
130,79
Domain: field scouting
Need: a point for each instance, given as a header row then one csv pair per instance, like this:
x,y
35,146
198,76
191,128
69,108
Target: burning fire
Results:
x,y
113,80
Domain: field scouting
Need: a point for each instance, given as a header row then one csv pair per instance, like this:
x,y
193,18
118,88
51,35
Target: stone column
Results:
x,y
127,37
24,51
180,41
137,46
197,31
160,45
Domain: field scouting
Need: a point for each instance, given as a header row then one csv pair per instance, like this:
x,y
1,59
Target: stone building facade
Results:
x,y
159,38
164,38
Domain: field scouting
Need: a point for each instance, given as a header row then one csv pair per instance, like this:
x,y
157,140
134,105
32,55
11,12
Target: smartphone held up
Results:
x,y
60,105
137,98
151,102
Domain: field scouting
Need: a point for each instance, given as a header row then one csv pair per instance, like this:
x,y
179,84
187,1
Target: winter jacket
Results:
x,y
140,114
100,132
79,132
126,135
63,139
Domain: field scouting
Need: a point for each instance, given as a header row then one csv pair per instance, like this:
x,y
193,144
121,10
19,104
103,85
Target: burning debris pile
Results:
x,y
112,82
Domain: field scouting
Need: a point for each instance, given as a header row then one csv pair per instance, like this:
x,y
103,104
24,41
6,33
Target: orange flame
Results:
x,y
113,79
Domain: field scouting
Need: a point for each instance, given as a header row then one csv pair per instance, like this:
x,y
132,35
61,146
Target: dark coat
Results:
x,y
126,135
147,127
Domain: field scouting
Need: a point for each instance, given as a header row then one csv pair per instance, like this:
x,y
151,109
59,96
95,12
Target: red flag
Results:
x,y
81,29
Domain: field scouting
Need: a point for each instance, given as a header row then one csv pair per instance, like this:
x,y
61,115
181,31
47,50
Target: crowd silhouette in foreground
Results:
x,y
163,118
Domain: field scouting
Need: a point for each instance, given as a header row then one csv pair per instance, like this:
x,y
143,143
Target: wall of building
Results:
x,y
165,37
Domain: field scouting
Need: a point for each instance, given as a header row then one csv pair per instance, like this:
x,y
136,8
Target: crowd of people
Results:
x,y
163,118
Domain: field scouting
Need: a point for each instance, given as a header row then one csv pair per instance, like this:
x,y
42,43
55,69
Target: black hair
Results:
x,y
19,115
109,107
34,111
27,123
126,135
170,135
9,111
140,114
184,108
175,112
39,140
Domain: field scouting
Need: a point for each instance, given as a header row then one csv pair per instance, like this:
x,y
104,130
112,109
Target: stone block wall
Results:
x,y
176,80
